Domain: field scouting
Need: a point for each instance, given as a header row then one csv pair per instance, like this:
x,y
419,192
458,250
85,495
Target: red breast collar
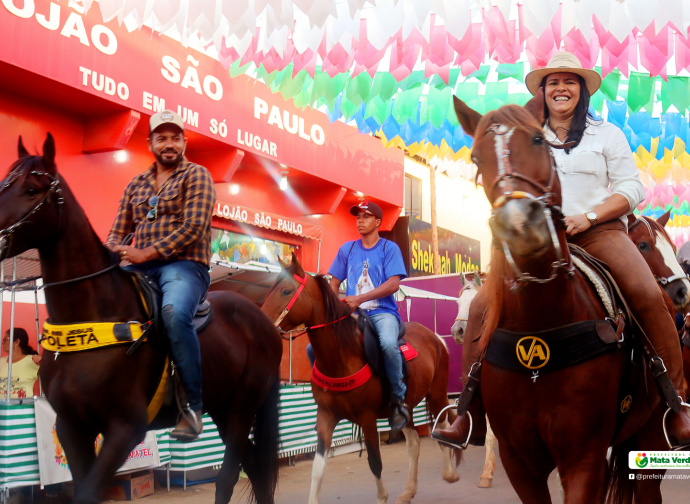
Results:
x,y
341,384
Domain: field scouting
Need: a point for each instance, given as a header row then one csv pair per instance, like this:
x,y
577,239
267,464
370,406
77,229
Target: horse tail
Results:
x,y
620,488
266,445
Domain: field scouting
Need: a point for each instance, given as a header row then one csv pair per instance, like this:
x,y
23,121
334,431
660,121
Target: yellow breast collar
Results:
x,y
88,335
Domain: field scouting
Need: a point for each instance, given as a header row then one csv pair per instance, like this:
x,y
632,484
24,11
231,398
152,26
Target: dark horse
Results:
x,y
107,391
340,353
566,418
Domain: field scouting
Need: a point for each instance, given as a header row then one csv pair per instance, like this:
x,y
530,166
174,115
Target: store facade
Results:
x,y
285,177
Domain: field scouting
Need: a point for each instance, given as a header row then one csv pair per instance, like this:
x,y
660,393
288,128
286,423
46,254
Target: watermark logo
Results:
x,y
659,460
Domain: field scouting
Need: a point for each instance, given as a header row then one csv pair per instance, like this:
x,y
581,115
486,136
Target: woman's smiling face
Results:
x,y
562,94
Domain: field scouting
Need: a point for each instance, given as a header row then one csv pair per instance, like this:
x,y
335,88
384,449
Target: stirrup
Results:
x,y
450,444
663,423
189,413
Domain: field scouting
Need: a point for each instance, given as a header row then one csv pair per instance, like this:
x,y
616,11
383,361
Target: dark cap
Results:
x,y
368,207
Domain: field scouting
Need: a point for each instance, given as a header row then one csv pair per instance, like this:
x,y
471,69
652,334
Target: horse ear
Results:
x,y
536,106
21,150
468,118
631,220
283,265
477,279
463,281
296,266
663,220
49,153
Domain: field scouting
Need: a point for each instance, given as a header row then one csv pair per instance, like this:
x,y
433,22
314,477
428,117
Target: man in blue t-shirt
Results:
x,y
373,268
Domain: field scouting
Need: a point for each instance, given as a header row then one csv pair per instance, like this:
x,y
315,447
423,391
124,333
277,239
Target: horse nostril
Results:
x,y
461,331
681,294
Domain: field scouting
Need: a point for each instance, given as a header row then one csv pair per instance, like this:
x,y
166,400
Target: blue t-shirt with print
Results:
x,y
365,269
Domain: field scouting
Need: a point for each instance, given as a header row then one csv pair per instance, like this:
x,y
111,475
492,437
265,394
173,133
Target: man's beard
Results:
x,y
169,163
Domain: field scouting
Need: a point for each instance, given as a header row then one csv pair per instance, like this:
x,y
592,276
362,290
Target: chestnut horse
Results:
x,y
107,391
658,250
339,352
534,433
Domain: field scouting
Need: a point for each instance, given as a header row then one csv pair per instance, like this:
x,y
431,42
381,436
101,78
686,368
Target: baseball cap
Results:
x,y
368,207
165,117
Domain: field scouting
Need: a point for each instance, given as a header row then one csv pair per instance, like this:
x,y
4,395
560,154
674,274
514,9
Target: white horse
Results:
x,y
467,293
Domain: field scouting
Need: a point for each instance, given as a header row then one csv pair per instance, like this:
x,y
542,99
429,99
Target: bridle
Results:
x,y
663,281
505,176
299,331
54,187
6,234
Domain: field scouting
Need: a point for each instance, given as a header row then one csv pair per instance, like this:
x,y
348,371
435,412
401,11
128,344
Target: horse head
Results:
x,y
660,253
467,293
288,305
30,201
520,181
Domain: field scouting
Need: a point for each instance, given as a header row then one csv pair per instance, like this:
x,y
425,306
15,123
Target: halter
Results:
x,y
301,330
505,175
6,234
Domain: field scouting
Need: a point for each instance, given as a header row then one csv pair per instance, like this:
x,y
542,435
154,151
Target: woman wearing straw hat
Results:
x,y
600,186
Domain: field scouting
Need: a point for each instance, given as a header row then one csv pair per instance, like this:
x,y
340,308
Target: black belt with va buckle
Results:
x,y
552,349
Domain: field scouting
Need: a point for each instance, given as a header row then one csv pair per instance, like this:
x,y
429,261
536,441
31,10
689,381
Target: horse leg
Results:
x,y
235,434
119,439
78,443
325,425
436,401
371,439
487,476
584,477
412,441
530,487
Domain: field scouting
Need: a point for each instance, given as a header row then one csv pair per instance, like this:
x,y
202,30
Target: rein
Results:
x,y
300,330
506,175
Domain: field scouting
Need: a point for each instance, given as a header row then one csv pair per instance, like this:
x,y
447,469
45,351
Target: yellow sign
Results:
x,y
532,352
626,403
87,335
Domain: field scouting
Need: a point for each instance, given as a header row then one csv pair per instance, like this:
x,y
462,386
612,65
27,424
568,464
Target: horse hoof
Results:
x,y
403,499
485,482
452,477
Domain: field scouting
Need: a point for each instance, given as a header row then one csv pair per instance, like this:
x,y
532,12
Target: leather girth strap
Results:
x,y
473,379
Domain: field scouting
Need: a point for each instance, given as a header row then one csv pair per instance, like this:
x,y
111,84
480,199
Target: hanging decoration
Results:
x,y
391,67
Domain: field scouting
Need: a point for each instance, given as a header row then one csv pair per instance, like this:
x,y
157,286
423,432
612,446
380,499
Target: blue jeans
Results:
x,y
183,284
386,325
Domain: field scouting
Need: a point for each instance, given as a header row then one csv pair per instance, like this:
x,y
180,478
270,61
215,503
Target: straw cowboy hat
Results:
x,y
563,61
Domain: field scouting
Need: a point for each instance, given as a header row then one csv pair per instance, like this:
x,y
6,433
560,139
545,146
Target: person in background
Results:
x,y
25,363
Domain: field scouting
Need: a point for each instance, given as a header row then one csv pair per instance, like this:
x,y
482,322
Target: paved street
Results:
x,y
348,481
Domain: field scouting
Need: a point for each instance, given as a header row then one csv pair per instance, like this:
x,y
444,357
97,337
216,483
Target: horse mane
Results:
x,y
495,285
512,116
346,331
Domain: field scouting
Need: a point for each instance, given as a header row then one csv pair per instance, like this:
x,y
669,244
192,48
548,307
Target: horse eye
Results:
x,y
287,292
538,140
643,246
31,191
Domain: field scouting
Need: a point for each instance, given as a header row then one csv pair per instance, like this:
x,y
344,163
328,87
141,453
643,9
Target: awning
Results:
x,y
253,280
405,291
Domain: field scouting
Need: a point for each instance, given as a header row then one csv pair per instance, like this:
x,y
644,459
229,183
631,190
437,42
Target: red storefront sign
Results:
x,y
266,220
148,72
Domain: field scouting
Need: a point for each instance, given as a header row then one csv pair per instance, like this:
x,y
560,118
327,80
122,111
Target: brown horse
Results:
x,y
565,419
107,391
340,353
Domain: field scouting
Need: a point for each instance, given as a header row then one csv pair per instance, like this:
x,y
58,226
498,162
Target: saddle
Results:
x,y
374,351
150,299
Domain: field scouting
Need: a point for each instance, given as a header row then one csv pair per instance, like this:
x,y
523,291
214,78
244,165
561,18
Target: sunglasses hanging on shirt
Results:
x,y
153,203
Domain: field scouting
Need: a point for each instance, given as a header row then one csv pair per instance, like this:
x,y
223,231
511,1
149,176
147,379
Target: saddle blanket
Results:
x,y
88,335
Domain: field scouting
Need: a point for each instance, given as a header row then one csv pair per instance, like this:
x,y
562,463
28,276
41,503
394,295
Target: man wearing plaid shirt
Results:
x,y
169,208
